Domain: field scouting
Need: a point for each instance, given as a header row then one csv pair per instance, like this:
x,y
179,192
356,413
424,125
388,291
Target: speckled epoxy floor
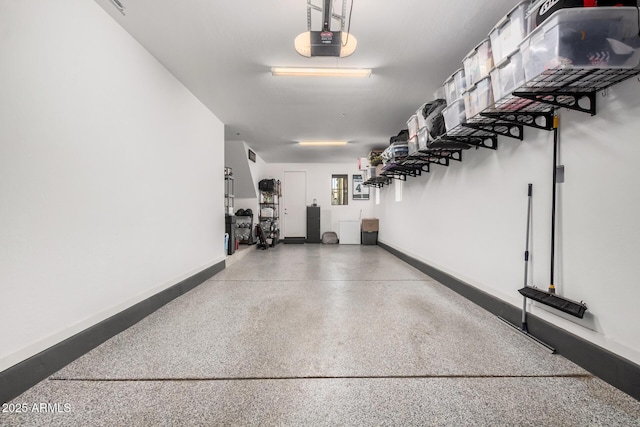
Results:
x,y
323,335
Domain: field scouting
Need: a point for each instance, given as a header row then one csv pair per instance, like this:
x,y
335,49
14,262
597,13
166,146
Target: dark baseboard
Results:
x,y
24,375
294,240
616,370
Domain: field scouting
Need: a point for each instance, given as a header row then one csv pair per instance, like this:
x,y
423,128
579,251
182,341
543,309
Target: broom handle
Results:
x,y
526,250
524,326
552,288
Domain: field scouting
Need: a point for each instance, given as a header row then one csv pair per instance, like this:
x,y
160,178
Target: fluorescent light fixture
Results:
x,y
321,143
321,72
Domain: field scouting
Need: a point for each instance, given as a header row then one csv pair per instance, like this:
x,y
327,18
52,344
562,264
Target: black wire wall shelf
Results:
x,y
573,88
496,126
404,168
377,182
521,111
444,143
435,153
532,104
426,158
467,137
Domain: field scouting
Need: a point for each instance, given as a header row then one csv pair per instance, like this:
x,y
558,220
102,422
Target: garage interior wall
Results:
x,y
246,173
111,178
319,188
468,220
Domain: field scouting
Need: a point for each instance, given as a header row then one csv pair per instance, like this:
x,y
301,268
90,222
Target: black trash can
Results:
x,y
369,237
230,229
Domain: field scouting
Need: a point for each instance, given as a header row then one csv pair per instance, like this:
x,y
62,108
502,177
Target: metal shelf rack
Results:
x,y
573,88
532,105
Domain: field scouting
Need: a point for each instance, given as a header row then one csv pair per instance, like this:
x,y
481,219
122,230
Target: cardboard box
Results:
x,y
370,224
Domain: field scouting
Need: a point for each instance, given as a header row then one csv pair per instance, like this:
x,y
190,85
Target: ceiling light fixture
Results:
x,y
321,72
321,143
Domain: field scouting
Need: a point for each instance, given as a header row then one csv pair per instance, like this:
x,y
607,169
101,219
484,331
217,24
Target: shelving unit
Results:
x,y
533,74
229,218
244,229
531,105
228,191
270,200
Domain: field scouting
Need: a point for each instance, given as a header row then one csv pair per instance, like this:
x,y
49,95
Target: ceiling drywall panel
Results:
x,y
223,52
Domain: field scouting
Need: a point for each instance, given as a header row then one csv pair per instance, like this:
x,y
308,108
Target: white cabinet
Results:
x,y
349,233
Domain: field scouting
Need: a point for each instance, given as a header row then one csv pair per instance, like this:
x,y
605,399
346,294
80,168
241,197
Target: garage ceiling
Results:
x,y
223,51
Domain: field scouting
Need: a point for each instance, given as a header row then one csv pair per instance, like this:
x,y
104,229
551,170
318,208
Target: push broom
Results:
x,y
549,297
524,329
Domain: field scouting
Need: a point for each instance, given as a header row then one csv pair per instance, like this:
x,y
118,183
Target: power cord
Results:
x,y
349,25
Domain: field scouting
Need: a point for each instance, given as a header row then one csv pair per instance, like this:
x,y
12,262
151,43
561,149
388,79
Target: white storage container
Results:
x,y
439,93
509,32
507,76
590,37
478,63
478,97
412,125
423,138
454,86
454,114
413,145
370,173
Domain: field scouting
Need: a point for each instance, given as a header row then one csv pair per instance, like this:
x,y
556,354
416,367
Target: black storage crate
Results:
x,y
369,237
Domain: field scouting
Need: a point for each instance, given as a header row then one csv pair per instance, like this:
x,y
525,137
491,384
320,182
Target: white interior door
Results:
x,y
294,195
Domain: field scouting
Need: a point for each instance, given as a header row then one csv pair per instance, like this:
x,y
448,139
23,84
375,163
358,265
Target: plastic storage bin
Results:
x,y
413,145
592,37
454,114
478,63
439,93
454,86
423,138
370,173
509,32
478,97
412,125
507,76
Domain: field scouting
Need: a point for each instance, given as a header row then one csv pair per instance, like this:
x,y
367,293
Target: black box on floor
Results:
x,y
369,237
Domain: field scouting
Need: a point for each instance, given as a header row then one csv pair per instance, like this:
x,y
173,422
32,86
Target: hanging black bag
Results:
x,y
432,112
267,185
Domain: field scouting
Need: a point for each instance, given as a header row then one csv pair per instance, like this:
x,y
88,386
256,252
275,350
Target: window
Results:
x,y
339,189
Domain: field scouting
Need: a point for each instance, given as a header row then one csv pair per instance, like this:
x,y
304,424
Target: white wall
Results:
x,y
111,182
319,187
469,219
256,170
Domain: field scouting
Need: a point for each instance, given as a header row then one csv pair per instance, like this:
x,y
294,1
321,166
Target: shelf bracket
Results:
x,y
538,120
488,141
510,130
442,154
438,160
570,100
